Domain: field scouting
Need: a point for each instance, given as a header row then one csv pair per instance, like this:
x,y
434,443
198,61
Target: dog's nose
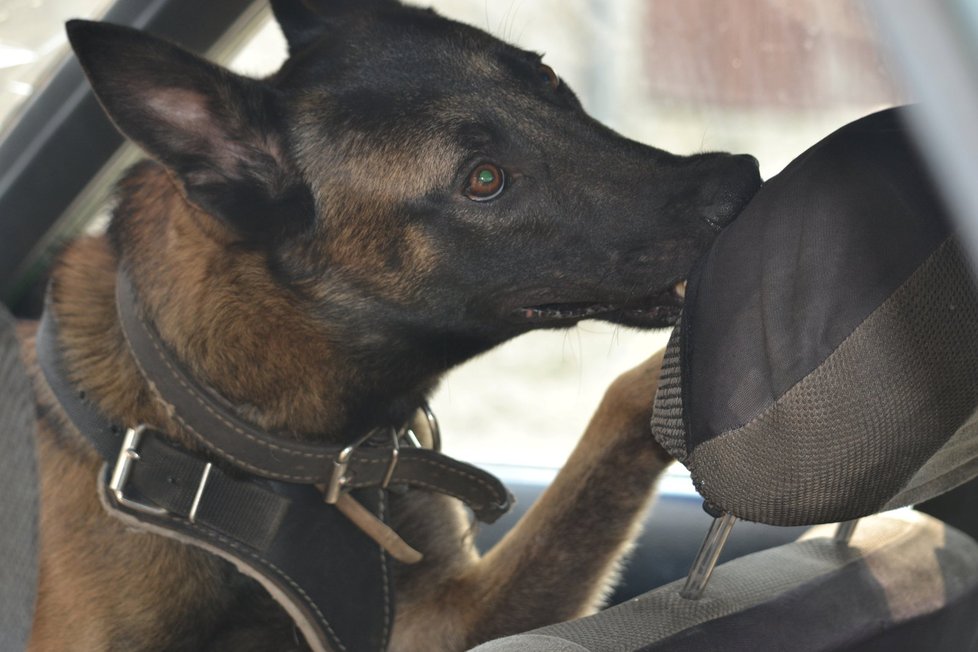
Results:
x,y
750,160
734,180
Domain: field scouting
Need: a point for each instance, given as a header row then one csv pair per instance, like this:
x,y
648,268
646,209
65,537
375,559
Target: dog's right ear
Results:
x,y
219,132
304,21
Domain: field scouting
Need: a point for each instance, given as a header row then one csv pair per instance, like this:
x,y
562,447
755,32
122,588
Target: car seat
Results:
x,y
18,493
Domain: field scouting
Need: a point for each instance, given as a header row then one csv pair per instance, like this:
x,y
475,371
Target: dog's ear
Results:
x,y
219,132
303,21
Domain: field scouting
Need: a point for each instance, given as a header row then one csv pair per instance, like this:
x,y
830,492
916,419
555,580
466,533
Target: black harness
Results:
x,y
266,503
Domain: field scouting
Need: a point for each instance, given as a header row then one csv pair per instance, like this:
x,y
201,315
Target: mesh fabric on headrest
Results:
x,y
829,345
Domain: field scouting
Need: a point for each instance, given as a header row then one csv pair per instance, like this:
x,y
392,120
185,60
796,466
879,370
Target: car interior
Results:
x,y
873,440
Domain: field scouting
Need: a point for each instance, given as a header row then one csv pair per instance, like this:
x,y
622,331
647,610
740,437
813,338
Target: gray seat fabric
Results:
x,y
532,643
18,494
881,592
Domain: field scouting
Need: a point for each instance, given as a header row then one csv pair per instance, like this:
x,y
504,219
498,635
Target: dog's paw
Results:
x,y
628,401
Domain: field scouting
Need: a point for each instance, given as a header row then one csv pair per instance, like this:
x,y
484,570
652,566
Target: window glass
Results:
x,y
32,41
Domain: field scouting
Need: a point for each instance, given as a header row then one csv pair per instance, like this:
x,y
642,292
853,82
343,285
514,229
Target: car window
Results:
x,y
32,42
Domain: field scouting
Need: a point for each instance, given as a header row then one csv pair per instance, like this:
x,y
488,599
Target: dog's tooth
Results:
x,y
679,289
566,313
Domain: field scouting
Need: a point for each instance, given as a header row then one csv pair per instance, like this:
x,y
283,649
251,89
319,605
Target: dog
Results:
x,y
320,247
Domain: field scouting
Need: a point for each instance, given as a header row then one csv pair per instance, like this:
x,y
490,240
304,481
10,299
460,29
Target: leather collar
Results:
x,y
212,421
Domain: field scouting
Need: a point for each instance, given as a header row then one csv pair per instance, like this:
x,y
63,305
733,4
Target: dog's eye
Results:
x,y
486,182
548,75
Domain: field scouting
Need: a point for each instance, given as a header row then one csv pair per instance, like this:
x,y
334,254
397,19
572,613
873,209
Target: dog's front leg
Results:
x,y
558,561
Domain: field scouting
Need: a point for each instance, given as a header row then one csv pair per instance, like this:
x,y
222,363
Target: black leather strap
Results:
x,y
333,579
311,557
211,419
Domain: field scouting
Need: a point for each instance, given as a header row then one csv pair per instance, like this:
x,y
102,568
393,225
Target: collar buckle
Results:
x,y
128,456
422,423
338,479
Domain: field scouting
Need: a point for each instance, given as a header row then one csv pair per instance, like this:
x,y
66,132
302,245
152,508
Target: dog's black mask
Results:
x,y
416,179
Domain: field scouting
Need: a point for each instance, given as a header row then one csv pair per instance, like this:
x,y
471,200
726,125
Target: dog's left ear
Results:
x,y
219,132
304,21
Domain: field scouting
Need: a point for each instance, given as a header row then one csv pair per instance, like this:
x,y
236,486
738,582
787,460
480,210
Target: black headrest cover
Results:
x,y
829,344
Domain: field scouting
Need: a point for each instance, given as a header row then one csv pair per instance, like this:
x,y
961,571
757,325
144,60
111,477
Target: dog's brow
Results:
x,y
521,63
473,134
521,59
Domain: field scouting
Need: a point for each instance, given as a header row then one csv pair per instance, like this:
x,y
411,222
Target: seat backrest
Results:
x,y
825,369
18,494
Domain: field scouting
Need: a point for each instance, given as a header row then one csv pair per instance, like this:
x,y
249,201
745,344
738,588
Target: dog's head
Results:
x,y
416,178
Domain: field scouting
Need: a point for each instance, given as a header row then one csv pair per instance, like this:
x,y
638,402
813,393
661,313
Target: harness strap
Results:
x,y
333,580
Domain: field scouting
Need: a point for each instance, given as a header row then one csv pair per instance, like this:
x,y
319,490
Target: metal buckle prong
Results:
x,y
395,455
432,426
192,517
413,438
340,464
424,421
128,455
338,478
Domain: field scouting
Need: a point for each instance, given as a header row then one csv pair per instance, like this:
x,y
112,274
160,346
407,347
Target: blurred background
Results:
x,y
767,77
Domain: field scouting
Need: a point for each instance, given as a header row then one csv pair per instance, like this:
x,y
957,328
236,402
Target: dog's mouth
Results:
x,y
656,311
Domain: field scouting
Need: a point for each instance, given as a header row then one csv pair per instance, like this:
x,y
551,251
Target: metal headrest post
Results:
x,y
843,534
706,558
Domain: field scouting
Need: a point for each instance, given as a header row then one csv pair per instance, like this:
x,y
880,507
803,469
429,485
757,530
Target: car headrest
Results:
x,y
826,363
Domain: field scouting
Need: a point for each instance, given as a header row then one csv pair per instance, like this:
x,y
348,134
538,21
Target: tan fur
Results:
x,y
225,314
357,184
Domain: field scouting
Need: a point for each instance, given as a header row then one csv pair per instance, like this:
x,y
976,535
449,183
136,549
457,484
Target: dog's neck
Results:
x,y
232,325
